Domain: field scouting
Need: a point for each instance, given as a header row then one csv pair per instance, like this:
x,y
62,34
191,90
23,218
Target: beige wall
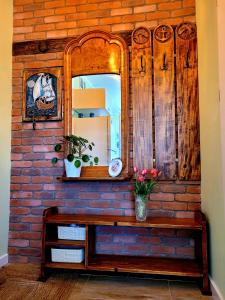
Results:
x,y
210,131
5,117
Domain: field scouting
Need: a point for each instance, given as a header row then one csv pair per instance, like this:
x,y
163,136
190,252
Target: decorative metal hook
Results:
x,y
164,66
187,62
34,123
142,64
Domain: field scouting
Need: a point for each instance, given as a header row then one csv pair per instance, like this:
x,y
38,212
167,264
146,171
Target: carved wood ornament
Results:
x,y
98,52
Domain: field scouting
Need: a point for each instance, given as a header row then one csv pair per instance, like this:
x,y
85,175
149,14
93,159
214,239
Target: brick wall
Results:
x,y
34,185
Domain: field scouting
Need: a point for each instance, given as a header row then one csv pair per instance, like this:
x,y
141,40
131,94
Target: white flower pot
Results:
x,y
71,170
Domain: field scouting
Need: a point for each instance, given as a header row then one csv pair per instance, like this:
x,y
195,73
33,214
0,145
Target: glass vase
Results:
x,y
140,208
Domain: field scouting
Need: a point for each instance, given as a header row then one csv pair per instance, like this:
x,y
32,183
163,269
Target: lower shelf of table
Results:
x,y
136,264
60,265
146,265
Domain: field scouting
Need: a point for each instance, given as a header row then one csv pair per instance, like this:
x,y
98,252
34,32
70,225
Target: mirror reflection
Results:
x,y
96,114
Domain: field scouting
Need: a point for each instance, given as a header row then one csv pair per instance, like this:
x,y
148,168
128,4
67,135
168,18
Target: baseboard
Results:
x,y
216,294
3,260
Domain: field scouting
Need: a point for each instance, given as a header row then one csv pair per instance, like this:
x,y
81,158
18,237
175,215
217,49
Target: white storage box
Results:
x,y
71,233
67,255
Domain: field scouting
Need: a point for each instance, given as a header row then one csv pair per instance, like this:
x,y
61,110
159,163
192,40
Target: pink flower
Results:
x,y
135,169
144,172
154,172
141,178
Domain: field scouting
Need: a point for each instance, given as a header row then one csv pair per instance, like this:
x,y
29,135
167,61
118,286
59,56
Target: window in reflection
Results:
x,y
96,113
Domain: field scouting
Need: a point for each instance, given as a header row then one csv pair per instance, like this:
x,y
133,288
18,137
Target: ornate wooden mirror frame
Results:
x,y
98,52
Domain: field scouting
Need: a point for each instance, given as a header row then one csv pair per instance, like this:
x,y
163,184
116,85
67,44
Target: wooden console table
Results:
x,y
196,268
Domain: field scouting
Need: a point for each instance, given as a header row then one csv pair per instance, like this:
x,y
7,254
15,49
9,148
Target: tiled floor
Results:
x,y
20,284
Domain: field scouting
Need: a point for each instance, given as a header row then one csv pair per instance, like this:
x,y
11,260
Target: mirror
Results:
x,y
96,84
96,114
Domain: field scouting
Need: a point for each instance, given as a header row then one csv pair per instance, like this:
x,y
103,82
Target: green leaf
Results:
x,y
85,158
77,163
91,163
70,157
58,147
54,160
96,160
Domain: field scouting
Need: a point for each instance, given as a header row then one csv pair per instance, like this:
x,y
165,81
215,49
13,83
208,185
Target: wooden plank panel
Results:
x,y
187,102
142,98
164,101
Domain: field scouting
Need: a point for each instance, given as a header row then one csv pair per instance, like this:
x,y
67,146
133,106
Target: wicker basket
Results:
x,y
71,233
67,255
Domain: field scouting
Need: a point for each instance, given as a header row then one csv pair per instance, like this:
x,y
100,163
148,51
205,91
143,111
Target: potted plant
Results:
x,y
75,147
143,186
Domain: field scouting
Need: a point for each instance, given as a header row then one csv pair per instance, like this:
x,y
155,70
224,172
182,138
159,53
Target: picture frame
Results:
x,y
115,167
42,94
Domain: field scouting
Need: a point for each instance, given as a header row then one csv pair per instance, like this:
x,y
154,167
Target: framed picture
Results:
x,y
42,93
115,167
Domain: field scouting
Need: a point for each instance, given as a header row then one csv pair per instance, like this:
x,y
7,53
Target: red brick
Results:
x,y
194,189
29,252
15,226
172,188
158,15
33,219
15,187
87,7
163,232
54,4
86,23
21,194
185,251
44,27
183,12
133,18
144,9
170,6
121,11
18,243
44,12
20,179
163,249
21,149
19,211
23,15
126,3
89,195
174,206
21,164
188,197
188,3
25,235
22,202
148,239
24,29
162,197
185,214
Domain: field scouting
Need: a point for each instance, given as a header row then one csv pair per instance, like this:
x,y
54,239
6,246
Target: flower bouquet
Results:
x,y
143,186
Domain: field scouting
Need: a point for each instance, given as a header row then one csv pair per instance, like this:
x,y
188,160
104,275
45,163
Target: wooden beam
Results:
x,y
142,98
164,101
187,102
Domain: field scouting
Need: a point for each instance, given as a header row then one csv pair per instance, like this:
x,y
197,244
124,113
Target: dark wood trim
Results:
x,y
51,45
